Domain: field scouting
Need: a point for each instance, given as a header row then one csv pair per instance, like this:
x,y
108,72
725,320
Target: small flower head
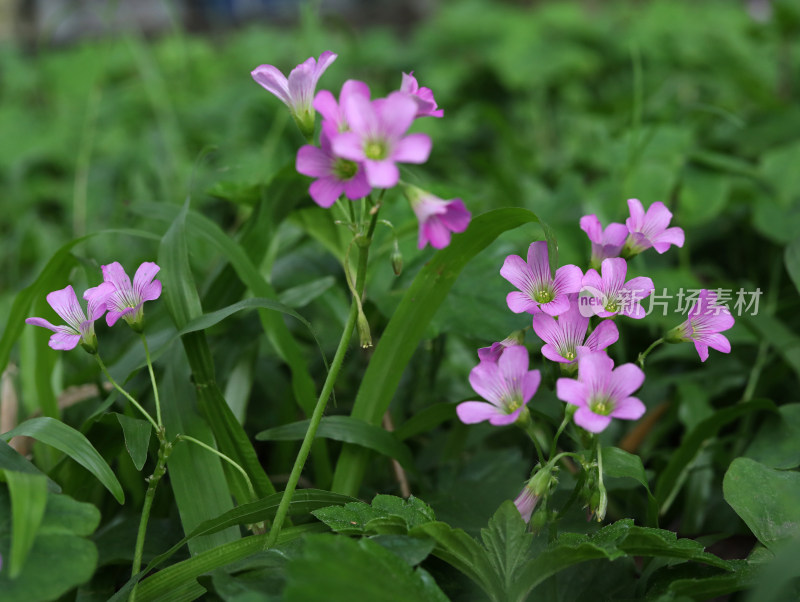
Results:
x,y
437,218
426,105
605,243
706,320
296,92
334,121
333,174
507,385
79,328
377,136
127,299
609,295
537,487
493,352
601,391
538,288
564,336
650,229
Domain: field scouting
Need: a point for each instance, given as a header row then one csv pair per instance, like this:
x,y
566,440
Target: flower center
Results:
x,y
376,150
544,295
344,169
612,305
512,404
569,355
602,406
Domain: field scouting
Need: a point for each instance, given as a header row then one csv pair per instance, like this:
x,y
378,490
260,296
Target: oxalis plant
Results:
x,y
392,548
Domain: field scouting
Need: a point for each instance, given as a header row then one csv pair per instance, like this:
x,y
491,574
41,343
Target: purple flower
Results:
x,y
506,384
334,120
377,137
334,174
650,229
706,321
526,503
426,105
297,92
605,243
563,337
493,352
126,300
539,290
610,295
601,391
79,328
437,218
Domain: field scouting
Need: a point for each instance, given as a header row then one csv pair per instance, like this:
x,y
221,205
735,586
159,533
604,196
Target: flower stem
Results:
x,y
224,457
327,388
643,355
152,378
560,430
603,504
125,393
529,428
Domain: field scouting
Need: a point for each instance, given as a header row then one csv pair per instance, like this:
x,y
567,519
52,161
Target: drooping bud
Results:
x,y
364,333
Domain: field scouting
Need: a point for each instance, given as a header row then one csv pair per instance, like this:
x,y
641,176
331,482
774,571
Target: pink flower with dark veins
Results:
x,y
610,294
706,320
650,229
127,299
334,176
606,242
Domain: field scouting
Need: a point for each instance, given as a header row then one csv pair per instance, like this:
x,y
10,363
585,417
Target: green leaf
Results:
x,y
28,499
791,257
775,443
387,514
137,438
619,463
302,295
672,477
337,566
344,428
765,499
66,439
10,459
408,325
703,196
508,541
412,550
779,335
426,420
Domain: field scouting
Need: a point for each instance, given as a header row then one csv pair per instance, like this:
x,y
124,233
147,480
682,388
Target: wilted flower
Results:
x,y
377,137
507,385
437,218
539,289
426,105
563,337
297,92
79,327
126,300
601,391
334,174
605,243
705,322
610,295
650,229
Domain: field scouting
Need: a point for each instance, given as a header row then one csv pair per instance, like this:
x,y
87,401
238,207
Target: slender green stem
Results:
x,y
603,504
643,355
327,388
224,457
164,450
152,378
529,428
125,393
560,430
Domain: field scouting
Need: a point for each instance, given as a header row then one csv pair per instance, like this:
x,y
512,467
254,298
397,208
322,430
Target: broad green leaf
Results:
x,y
619,463
344,428
137,438
407,327
775,443
350,519
765,499
386,514
337,566
744,577
791,257
11,460
66,439
412,550
672,476
508,542
776,579
28,494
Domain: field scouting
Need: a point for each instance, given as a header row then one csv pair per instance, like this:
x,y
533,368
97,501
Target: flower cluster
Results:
x,y
362,141
116,295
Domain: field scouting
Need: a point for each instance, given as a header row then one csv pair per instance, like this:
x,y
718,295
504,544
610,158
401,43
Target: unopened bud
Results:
x,y
364,334
397,260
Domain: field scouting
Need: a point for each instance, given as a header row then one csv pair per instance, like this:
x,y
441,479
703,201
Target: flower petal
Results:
x,y
65,303
502,419
546,328
568,280
414,148
603,336
396,113
313,161
143,278
530,384
572,391
520,302
44,324
62,341
624,380
471,412
381,174
670,236
348,145
517,272
629,408
486,380
594,423
325,191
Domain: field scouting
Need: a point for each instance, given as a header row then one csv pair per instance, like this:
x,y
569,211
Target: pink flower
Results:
x,y
650,229
601,391
706,321
296,92
526,503
426,105
538,289
563,337
507,385
126,300
334,174
334,120
437,218
377,137
493,352
605,243
79,327
610,295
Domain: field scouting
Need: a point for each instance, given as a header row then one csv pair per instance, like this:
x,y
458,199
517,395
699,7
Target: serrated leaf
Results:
x,y
508,541
412,550
350,519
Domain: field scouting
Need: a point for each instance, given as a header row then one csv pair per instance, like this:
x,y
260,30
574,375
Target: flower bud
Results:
x,y
397,260
364,334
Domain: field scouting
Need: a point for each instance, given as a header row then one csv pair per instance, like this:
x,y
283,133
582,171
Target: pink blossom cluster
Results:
x,y
362,141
